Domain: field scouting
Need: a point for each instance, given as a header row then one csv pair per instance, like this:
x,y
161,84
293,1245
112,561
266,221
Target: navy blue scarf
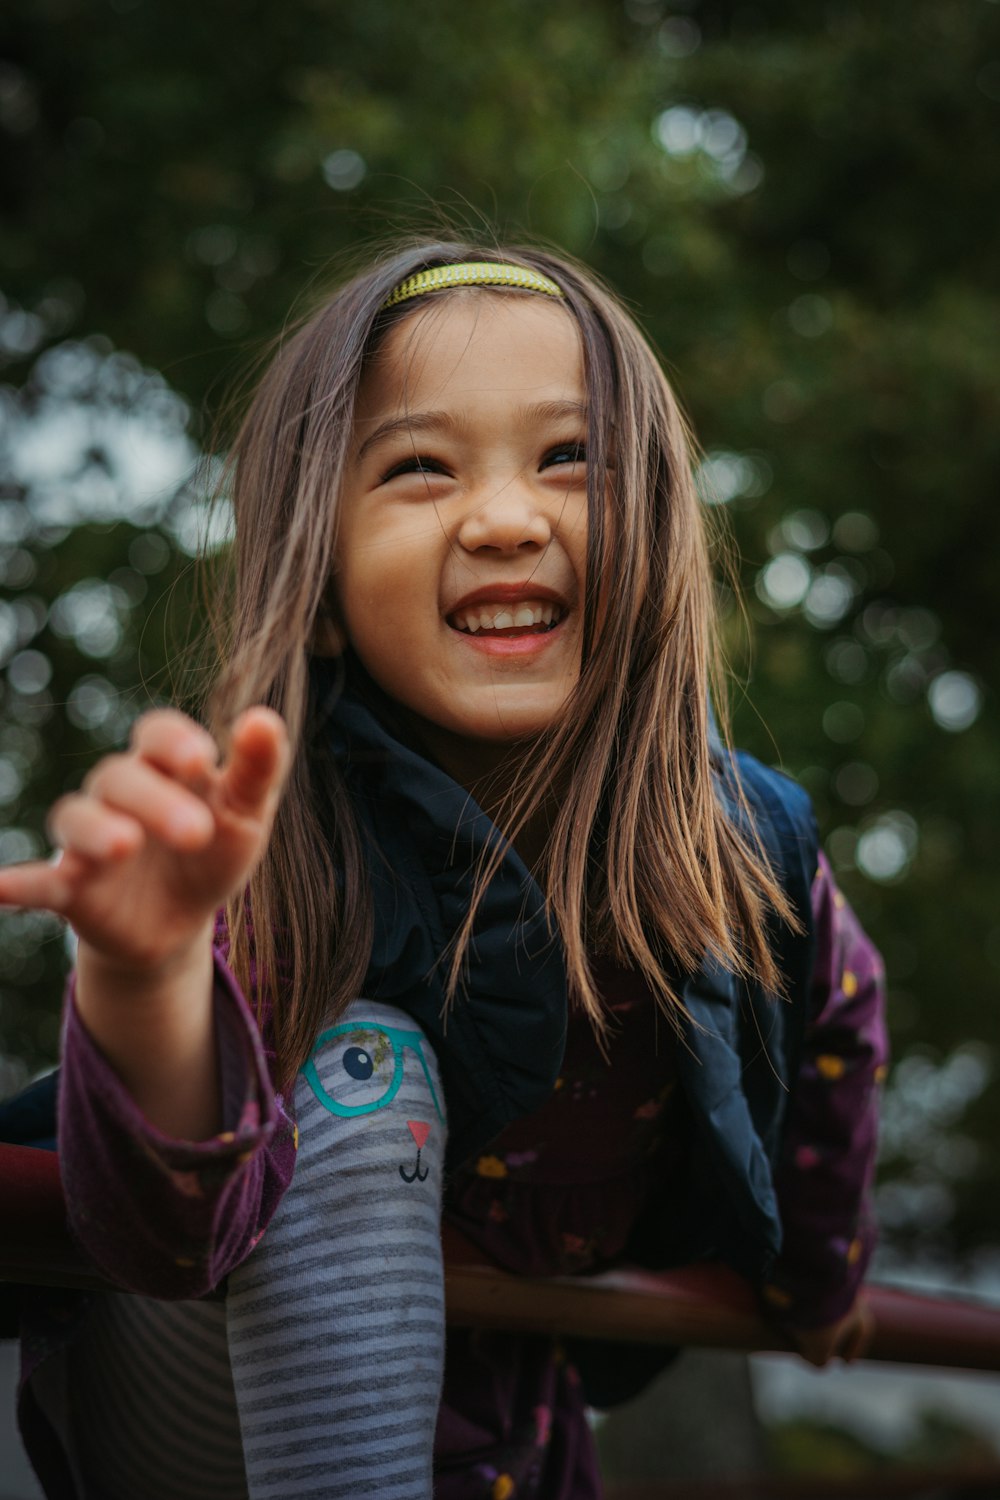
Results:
x,y
500,1045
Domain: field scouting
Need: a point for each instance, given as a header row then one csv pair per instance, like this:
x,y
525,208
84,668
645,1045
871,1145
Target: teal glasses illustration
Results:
x,y
363,1067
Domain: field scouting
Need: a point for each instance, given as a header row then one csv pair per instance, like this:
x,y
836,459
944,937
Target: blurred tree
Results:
x,y
791,196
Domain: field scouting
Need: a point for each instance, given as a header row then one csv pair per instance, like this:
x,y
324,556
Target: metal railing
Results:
x,y
704,1306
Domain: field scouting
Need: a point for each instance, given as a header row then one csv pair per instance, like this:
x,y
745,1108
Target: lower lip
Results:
x,y
518,647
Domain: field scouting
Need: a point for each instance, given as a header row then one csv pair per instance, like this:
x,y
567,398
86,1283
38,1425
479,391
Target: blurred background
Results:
x,y
798,201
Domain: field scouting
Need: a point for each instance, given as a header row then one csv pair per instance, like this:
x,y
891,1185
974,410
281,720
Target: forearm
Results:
x,y
196,1207
155,1026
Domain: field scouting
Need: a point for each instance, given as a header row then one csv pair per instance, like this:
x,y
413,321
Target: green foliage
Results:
x,y
791,197
809,1447
938,1441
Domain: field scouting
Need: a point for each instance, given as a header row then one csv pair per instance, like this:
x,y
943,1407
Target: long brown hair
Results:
x,y
642,860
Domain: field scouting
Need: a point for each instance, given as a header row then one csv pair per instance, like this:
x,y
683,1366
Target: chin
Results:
x,y
471,741
513,729
501,724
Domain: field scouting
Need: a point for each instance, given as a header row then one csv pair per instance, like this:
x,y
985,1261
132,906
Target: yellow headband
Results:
x,y
471,273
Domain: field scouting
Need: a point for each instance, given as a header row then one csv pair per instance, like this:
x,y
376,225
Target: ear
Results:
x,y
329,637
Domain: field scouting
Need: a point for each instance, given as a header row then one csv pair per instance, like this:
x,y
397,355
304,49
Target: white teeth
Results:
x,y
501,617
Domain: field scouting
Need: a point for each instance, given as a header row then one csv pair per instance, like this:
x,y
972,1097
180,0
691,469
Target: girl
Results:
x,y
462,765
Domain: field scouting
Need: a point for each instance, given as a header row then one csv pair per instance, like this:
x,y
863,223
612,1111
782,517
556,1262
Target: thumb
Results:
x,y
257,762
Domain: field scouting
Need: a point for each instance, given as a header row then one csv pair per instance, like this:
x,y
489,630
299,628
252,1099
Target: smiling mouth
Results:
x,y
527,617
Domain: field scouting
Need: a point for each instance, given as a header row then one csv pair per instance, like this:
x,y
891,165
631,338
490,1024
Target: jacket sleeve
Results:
x,y
825,1179
166,1217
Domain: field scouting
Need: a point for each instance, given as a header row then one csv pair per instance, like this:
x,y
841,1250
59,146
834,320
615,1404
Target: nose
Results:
x,y
505,520
420,1130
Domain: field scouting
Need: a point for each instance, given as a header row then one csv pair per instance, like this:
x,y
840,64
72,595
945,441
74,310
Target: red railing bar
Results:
x,y
709,1307
706,1306
35,1243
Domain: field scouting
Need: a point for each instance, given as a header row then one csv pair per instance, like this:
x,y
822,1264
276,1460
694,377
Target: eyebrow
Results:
x,y
444,422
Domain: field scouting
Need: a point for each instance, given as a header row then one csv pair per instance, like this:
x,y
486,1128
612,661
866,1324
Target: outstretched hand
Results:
x,y
158,837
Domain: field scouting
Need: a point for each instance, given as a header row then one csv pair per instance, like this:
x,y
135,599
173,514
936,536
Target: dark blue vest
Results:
x,y
741,1063
500,1045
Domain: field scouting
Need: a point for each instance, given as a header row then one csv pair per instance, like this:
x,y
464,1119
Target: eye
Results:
x,y
418,463
565,453
358,1063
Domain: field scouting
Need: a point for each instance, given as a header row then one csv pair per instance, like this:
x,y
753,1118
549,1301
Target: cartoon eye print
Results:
x,y
358,1070
363,1066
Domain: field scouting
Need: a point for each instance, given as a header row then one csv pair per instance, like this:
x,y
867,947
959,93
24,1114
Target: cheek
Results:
x,y
384,560
382,627
370,624
363,587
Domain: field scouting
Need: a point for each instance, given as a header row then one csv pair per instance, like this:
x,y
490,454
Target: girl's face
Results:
x,y
462,548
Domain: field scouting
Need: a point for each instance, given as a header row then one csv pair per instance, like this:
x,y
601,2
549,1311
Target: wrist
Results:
x,y
155,1026
132,1010
133,979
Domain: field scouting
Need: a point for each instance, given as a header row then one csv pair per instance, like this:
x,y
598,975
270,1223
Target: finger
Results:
x,y
162,806
859,1337
853,1346
37,885
92,829
258,758
176,744
815,1345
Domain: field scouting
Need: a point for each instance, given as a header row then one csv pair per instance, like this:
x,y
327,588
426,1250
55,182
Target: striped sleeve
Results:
x,y
336,1321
